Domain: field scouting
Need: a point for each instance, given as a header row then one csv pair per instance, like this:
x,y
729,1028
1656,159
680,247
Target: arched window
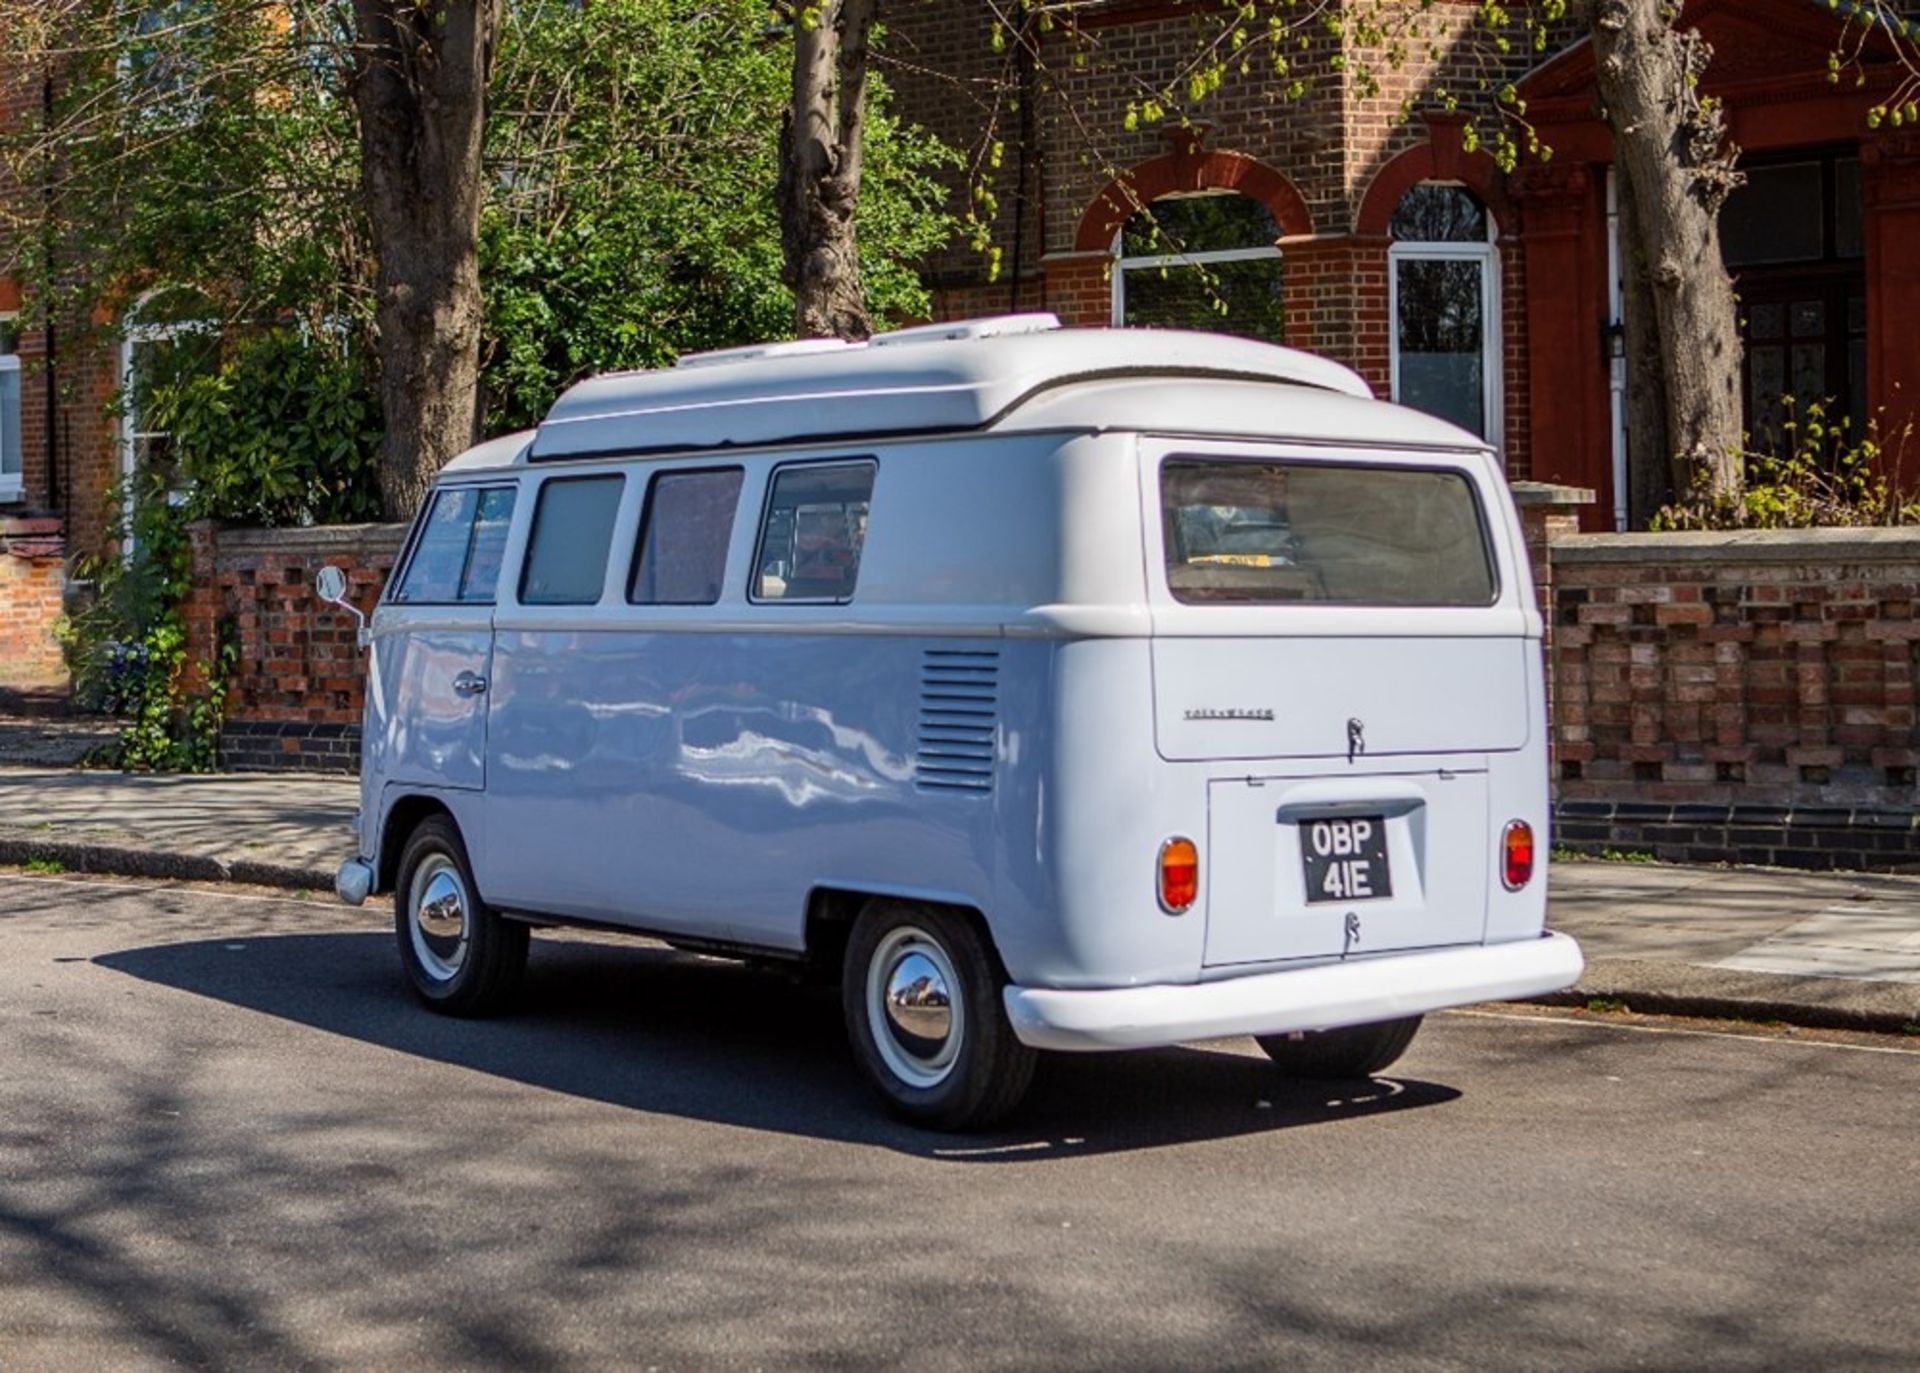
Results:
x,y
169,336
1208,261
1444,284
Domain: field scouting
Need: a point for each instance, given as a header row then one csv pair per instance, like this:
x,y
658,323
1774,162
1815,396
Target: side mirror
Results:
x,y
330,585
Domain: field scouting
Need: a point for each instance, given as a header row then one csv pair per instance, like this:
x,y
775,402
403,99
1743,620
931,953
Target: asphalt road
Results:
x,y
228,1138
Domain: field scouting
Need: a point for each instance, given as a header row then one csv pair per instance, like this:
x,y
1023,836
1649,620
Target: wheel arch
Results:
x,y
404,814
831,912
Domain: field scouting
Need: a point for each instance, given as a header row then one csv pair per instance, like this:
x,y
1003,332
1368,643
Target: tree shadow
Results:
x,y
651,1029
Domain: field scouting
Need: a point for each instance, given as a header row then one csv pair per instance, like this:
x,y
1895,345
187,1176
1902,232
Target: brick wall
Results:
x,y
1331,146
32,585
1744,696
298,684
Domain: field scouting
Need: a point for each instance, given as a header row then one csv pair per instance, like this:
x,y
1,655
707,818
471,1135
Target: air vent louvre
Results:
x,y
959,719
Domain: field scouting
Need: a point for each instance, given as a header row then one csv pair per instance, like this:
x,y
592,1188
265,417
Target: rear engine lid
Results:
x,y
1341,699
1315,867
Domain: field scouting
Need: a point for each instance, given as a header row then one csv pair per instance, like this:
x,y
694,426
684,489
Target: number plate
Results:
x,y
1346,858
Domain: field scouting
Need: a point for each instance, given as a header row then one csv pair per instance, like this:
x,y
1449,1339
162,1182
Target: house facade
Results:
x,y
1330,222
1321,218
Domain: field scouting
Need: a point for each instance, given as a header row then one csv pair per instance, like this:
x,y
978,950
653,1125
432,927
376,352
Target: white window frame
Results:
x,y
1123,265
13,481
1492,363
132,335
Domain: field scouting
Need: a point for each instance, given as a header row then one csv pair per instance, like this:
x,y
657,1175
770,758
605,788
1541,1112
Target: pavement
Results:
x,y
1827,950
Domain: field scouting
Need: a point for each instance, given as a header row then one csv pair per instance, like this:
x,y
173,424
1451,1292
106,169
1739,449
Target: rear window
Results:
x,y
1265,533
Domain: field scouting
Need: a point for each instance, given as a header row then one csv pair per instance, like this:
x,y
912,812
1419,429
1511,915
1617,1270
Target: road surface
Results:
x,y
229,1139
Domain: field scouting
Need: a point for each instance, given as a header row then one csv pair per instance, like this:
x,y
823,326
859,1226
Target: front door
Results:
x,y
433,645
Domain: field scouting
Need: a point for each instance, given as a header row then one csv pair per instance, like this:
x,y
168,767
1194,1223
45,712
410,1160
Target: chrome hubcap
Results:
x,y
440,905
917,1019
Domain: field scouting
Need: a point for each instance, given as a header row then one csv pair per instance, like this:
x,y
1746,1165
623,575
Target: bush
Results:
x,y
283,430
1827,477
127,647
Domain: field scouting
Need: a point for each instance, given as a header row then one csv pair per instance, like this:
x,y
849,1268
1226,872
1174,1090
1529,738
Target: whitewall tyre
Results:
x,y
921,994
461,958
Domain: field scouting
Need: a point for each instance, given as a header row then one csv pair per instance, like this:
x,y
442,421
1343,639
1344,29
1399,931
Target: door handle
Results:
x,y
469,684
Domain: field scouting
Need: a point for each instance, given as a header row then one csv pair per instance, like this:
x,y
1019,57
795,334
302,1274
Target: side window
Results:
x,y
812,532
572,531
682,554
481,581
458,553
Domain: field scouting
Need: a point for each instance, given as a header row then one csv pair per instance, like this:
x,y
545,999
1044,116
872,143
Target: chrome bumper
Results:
x,y
1359,992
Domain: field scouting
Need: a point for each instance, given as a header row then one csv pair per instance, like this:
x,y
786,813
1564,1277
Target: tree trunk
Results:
x,y
1651,480
419,84
821,138
1673,147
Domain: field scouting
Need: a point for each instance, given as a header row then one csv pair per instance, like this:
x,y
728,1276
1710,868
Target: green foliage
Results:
x,y
203,141
633,147
280,431
127,647
1826,475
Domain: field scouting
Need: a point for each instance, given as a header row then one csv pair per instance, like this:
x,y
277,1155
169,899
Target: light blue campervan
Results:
x,y
1061,689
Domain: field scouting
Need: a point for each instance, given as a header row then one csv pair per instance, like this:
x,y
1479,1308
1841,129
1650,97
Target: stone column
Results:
x,y
1548,513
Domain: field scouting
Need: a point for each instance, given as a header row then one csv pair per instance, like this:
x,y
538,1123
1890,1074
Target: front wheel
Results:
x,y
461,958
924,1014
1353,1052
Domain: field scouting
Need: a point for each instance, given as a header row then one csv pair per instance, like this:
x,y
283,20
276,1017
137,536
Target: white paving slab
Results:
x,y
1880,942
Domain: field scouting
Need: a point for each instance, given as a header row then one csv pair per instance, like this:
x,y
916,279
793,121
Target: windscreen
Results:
x,y
1260,533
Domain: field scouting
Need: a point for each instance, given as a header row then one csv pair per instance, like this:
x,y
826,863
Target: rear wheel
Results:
x,y
461,958
1355,1051
924,1014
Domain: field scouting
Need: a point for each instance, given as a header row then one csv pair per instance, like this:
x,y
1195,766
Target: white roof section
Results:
x,y
505,451
1202,407
937,378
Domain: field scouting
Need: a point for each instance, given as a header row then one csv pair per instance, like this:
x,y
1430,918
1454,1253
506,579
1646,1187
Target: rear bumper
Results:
x,y
1322,998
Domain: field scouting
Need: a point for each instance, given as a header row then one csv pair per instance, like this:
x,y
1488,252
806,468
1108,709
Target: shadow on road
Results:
x,y
650,1029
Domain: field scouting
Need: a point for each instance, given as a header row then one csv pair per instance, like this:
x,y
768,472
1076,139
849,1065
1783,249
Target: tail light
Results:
x,y
1179,876
1516,855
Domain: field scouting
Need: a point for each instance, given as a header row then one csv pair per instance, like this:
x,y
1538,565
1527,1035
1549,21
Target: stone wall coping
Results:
x,y
1814,547
1551,493
31,526
319,539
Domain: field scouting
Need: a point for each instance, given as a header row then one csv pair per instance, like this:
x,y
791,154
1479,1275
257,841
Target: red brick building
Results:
x,y
1331,224
1326,222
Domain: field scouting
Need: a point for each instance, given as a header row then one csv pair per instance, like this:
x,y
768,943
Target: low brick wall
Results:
x,y
298,684
1745,696
1721,697
32,587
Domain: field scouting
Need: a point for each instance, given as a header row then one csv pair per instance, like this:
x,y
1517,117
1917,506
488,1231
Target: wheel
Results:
x,y
1356,1051
922,999
461,958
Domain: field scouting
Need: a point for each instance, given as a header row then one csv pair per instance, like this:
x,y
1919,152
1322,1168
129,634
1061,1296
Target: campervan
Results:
x,y
1051,689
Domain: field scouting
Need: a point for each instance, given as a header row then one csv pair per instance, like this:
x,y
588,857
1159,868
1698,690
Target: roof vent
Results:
x,y
997,327
753,352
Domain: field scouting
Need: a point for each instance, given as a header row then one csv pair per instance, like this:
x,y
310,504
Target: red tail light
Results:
x,y
1516,845
1179,876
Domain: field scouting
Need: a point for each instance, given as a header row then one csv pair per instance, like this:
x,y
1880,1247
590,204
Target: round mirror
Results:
x,y
331,584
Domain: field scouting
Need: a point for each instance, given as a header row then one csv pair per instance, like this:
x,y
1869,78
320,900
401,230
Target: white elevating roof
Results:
x,y
940,378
